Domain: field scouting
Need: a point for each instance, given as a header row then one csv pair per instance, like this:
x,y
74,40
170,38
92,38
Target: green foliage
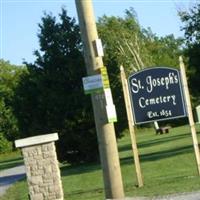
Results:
x,y
163,51
8,122
5,145
9,79
123,40
50,96
191,28
127,43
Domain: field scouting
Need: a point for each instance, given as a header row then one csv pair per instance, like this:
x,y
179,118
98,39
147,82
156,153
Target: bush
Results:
x,y
5,145
78,142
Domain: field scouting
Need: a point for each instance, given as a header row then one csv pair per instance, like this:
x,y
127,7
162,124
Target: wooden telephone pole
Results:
x,y
105,131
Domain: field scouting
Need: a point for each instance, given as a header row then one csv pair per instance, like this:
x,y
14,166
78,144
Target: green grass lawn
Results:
x,y
167,161
9,160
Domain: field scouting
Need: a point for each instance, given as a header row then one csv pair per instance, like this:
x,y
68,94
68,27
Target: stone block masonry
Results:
x,y
42,169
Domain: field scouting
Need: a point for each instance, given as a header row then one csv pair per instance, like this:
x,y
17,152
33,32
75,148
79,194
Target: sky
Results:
x,y
19,20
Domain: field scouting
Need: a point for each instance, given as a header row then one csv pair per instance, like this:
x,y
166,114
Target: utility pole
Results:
x,y
105,131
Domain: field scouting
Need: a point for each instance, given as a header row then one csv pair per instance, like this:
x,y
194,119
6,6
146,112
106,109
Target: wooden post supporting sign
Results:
x,y
189,112
131,127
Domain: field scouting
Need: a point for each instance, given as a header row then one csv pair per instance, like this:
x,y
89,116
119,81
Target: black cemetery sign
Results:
x,y
156,94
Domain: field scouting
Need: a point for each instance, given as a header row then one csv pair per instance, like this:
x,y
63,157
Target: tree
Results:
x,y
123,40
9,79
127,43
191,28
163,51
50,97
123,45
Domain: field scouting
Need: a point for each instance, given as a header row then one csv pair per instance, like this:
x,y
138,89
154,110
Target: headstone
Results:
x,y
198,113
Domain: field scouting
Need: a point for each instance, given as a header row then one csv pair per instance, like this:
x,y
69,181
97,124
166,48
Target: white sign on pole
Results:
x,y
92,84
100,83
99,48
110,107
111,113
108,95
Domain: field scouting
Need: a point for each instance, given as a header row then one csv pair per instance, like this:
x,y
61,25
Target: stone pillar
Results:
x,y
42,169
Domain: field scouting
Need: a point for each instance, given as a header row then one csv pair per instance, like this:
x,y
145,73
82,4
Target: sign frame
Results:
x,y
141,87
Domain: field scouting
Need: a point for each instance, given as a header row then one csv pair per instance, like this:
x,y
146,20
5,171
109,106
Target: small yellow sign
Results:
x,y
105,79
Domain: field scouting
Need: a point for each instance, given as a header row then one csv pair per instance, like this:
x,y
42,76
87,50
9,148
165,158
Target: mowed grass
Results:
x,y
9,160
167,161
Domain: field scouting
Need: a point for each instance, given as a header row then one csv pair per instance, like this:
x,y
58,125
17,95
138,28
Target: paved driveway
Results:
x,y
183,196
10,176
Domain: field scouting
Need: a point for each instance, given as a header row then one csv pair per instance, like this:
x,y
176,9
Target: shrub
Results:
x,y
5,145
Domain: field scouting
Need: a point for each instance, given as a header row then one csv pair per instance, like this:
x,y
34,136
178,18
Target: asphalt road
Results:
x,y
10,176
183,196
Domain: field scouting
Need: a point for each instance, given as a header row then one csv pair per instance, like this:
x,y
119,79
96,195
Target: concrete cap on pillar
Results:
x,y
30,141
